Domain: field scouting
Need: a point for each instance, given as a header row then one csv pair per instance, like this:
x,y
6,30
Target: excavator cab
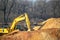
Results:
x,y
14,23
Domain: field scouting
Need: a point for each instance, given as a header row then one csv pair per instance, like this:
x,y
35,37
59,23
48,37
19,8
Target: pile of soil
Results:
x,y
51,23
44,34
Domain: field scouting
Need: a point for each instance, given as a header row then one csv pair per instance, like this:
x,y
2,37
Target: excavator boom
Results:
x,y
21,18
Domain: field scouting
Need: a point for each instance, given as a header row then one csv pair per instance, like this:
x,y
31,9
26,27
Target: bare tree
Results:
x,y
5,4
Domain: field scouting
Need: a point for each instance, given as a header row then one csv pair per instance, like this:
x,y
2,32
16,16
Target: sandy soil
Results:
x,y
51,23
44,34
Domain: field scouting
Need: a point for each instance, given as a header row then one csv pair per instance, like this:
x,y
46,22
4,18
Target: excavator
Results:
x,y
19,19
14,23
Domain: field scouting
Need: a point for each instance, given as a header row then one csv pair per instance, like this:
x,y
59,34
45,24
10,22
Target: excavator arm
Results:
x,y
19,19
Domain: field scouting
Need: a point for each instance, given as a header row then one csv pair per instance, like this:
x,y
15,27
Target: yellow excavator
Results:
x,y
14,23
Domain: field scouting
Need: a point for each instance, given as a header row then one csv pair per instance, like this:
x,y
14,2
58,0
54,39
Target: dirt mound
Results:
x,y
52,23
45,34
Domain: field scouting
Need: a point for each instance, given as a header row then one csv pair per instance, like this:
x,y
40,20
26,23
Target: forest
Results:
x,y
38,9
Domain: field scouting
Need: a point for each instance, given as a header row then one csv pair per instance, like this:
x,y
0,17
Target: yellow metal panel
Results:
x,y
3,30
